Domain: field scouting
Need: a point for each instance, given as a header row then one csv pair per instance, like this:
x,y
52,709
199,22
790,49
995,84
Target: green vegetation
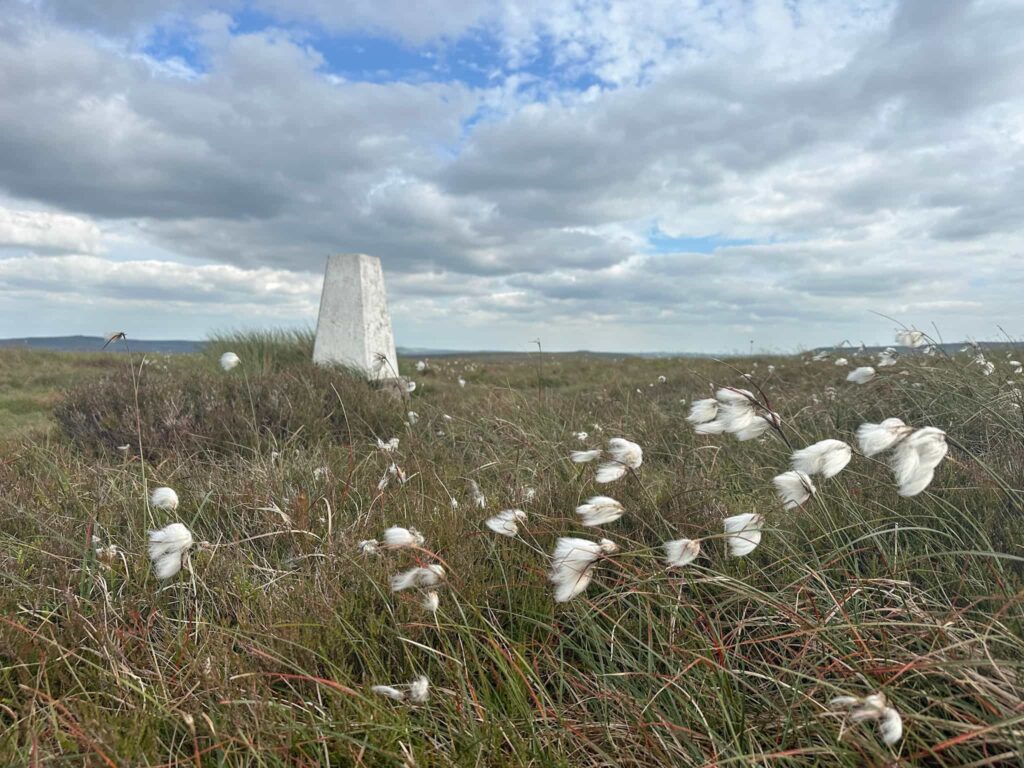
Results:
x,y
264,650
31,382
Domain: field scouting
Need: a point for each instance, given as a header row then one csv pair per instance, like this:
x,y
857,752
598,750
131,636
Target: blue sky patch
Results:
x,y
662,243
476,59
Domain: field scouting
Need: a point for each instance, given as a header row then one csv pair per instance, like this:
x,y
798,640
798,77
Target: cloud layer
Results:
x,y
652,175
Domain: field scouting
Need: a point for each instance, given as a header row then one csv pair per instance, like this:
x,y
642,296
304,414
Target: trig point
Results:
x,y
354,327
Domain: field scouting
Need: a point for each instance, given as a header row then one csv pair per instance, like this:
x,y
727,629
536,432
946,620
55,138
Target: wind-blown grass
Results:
x,y
264,653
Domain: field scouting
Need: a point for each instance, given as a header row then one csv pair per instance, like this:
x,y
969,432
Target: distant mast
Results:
x,y
354,326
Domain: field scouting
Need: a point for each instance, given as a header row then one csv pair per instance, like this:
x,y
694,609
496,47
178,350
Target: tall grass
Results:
x,y
265,350
264,652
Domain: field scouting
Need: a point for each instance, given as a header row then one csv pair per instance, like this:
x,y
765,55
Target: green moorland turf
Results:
x,y
263,650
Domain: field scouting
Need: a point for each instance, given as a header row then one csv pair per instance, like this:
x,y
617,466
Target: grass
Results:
x,y
31,383
264,651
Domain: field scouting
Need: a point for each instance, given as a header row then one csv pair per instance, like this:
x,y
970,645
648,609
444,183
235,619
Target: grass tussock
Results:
x,y
164,410
264,651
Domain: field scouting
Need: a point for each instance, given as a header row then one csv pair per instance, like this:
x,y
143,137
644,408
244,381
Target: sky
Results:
x,y
644,175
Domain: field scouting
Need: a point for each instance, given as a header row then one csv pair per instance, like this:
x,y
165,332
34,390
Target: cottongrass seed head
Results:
x,y
910,338
915,458
624,456
389,692
369,547
861,375
573,563
703,411
431,601
874,439
874,708
164,498
826,458
476,494
506,523
229,360
887,357
600,510
167,548
397,537
584,457
736,412
793,488
680,552
419,690
428,576
743,533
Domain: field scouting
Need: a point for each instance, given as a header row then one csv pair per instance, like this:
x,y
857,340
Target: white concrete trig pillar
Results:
x,y
354,326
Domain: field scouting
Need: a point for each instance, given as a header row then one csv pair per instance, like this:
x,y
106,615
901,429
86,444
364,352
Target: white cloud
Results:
x,y
872,151
219,288
46,231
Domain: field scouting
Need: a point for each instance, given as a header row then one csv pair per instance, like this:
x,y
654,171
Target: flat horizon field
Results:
x,y
281,641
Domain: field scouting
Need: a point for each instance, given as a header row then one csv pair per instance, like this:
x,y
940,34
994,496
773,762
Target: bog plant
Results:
x,y
771,598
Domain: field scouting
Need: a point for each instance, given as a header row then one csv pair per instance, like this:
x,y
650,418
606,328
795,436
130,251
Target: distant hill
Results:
x,y
95,344
181,346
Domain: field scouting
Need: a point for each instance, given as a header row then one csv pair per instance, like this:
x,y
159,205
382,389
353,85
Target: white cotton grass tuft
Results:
x,y
393,470
388,447
600,510
874,439
915,452
743,533
584,457
874,708
703,411
397,537
757,427
427,576
167,548
624,455
681,552
431,601
573,563
861,375
229,360
890,726
842,361
476,494
609,472
887,357
915,458
732,411
418,691
369,547
826,458
506,523
626,452
910,338
164,498
793,488
412,417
